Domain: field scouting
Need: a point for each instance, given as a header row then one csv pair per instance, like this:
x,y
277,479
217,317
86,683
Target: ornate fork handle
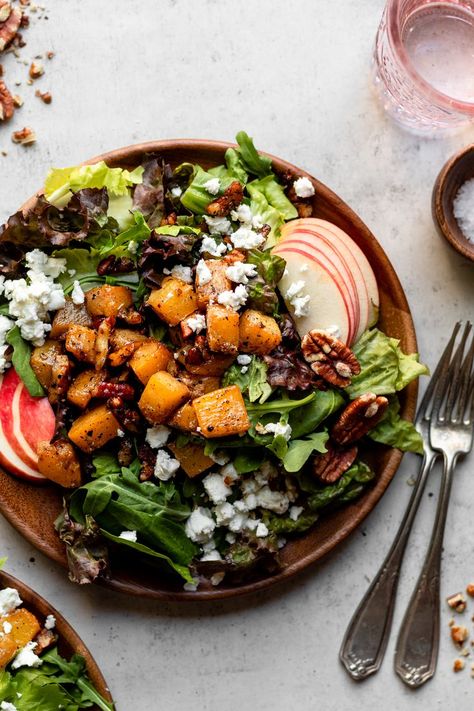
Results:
x,y
418,641
366,638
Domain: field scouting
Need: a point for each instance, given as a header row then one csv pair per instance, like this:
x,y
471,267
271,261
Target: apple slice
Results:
x,y
24,422
343,271
327,306
364,265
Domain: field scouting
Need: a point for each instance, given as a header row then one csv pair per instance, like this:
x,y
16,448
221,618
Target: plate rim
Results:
x,y
125,155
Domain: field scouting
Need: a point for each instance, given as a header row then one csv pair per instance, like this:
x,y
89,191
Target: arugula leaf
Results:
x,y
306,419
108,243
83,263
250,159
253,381
248,460
299,450
105,463
280,405
385,369
395,432
21,362
282,525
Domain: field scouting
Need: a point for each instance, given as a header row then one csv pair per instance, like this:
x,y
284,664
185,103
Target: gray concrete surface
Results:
x,y
295,76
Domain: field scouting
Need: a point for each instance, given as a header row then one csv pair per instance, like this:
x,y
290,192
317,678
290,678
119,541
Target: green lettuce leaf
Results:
x,y
268,200
299,450
347,488
250,159
61,183
196,198
385,369
284,525
253,382
21,362
395,432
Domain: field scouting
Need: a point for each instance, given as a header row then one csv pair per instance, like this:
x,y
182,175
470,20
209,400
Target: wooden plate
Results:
x,y
69,642
33,509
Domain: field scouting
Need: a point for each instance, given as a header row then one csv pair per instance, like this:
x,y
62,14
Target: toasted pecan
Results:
x,y
231,199
330,358
329,467
359,417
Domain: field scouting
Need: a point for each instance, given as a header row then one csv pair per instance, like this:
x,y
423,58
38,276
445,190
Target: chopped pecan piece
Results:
x,y
122,390
231,199
147,459
304,209
458,665
457,602
36,70
44,639
129,418
7,103
45,96
329,467
459,635
114,265
359,417
10,20
25,136
330,358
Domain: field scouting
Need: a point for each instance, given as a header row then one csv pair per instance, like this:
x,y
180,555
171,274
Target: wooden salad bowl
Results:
x,y
69,642
32,509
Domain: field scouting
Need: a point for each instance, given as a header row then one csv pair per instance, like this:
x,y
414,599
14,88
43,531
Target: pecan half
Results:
x,y
330,358
10,20
360,416
329,467
7,103
231,198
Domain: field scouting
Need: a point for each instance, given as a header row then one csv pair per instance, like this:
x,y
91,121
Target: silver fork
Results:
x,y
366,638
451,434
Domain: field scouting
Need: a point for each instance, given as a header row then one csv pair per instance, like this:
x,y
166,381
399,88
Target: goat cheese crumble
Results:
x,y
242,213
176,191
200,525
216,488
77,295
234,299
304,188
9,601
277,429
7,706
203,273
184,273
218,225
244,359
210,246
129,536
5,325
241,272
7,627
157,436
275,501
295,512
212,186
50,622
297,299
165,466
196,323
246,238
26,657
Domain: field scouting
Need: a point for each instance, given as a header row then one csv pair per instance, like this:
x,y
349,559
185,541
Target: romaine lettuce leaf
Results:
x,y
385,369
270,202
196,198
395,432
61,183
250,159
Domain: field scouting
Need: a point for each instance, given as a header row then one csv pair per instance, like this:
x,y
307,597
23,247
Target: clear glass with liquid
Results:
x,y
424,63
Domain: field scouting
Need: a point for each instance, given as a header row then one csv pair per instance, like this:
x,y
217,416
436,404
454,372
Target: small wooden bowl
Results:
x,y
69,642
454,173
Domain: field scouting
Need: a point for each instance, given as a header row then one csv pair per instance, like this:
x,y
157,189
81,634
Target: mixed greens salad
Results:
x,y
193,417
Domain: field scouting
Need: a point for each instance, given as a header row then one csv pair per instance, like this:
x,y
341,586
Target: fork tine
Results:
x,y
442,364
467,384
456,376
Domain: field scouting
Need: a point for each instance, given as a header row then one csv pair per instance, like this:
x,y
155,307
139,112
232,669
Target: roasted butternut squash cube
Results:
x,y
108,300
83,387
43,359
8,649
148,359
24,624
207,293
94,428
58,462
173,301
192,458
163,395
70,315
222,413
184,418
259,333
80,341
222,329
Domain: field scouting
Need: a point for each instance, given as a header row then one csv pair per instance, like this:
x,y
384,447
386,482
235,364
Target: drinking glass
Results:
x,y
423,67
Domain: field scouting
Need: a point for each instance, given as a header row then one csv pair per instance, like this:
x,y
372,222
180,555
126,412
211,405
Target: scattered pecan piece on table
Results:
x,y
231,198
7,103
329,467
358,417
10,20
330,358
25,136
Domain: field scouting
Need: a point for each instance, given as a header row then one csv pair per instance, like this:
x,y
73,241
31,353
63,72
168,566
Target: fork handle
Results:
x,y
366,638
416,652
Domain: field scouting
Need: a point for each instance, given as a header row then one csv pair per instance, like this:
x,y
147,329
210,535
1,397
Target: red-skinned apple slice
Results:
x,y
24,422
366,270
327,306
314,244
